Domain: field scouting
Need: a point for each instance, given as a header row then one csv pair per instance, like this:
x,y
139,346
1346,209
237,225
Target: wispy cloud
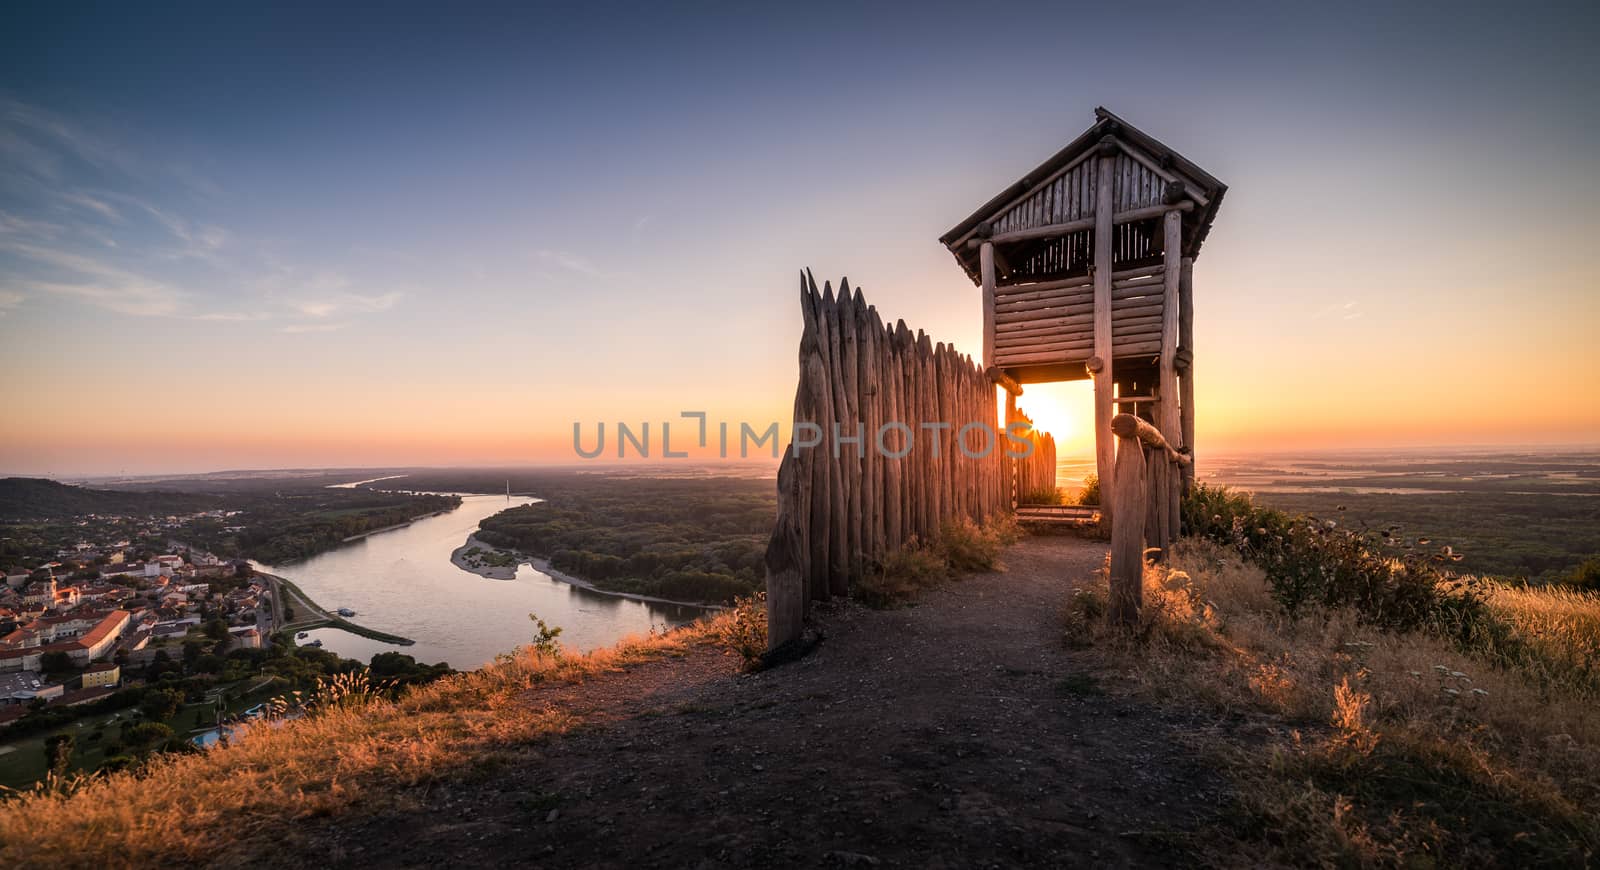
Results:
x,y
99,224
1341,310
11,224
89,203
9,300
91,280
345,303
52,137
569,261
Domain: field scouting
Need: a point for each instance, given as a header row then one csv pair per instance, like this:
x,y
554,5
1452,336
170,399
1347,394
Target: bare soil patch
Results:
x,y
956,732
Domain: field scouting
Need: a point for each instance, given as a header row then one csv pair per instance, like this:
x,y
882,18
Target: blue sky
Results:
x,y
405,234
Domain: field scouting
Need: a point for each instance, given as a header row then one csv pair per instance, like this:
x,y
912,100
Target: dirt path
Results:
x,y
955,733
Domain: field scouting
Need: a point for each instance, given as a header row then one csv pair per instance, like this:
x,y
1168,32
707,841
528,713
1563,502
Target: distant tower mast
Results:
x,y
508,489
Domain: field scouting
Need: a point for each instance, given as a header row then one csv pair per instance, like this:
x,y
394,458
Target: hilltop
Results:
x,y
33,498
993,721
960,727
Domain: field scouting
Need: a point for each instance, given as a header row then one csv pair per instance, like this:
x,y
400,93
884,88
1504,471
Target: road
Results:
x,y
305,610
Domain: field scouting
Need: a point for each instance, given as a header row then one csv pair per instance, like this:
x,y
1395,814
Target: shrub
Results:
x,y
545,638
967,547
743,629
1091,490
962,547
1053,495
1310,562
1586,575
900,575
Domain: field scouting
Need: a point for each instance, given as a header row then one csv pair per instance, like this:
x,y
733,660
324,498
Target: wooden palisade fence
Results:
x,y
1036,472
857,494
1149,478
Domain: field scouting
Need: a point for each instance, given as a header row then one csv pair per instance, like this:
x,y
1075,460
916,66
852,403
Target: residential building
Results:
x,y
102,674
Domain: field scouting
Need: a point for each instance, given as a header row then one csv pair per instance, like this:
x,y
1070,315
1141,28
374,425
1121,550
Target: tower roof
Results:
x,y
1151,163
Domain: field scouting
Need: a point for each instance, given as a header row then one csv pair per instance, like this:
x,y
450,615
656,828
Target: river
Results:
x,y
401,581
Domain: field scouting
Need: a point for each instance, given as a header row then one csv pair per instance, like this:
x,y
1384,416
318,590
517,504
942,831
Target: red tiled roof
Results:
x,y
84,696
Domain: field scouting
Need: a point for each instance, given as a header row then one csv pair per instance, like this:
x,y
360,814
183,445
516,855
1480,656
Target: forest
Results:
x,y
682,539
39,518
295,525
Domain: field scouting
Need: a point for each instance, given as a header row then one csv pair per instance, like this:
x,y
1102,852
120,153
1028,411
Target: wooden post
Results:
x,y
1011,463
1186,342
850,455
1127,532
786,593
1104,448
838,568
818,385
1169,424
871,336
893,484
986,270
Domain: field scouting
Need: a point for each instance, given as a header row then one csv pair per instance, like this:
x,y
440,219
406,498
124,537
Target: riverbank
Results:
x,y
391,528
320,617
543,567
465,562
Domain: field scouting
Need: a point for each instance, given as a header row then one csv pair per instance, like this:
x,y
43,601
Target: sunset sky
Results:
x,y
299,237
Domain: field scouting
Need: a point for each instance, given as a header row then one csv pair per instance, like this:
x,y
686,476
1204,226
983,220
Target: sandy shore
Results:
x,y
459,559
543,567
493,572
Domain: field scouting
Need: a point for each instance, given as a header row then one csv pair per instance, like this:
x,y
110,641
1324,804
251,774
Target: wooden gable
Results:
x,y
1042,225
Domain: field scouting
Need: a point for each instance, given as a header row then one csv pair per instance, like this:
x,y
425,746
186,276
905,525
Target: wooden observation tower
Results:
x,y
1086,269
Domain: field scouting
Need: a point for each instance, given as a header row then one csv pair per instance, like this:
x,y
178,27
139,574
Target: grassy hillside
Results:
x,y
231,804
1415,716
1537,536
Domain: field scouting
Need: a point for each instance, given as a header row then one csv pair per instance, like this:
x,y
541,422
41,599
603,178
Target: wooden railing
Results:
x,y
1148,489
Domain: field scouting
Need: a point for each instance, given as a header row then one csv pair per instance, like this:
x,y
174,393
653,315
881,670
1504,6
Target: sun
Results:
x,y
1065,410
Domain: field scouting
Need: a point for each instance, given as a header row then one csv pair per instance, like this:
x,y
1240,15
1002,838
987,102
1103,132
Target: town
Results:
x,y
96,611
119,640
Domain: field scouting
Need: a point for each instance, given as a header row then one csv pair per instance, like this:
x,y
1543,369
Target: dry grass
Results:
x,y
1385,748
1559,628
358,748
962,548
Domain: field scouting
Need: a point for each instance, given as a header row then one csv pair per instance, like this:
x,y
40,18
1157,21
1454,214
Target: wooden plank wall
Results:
x,y
1053,321
844,506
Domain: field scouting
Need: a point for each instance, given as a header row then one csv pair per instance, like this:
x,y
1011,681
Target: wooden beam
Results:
x,y
1168,413
1128,426
1010,358
1186,342
1171,426
986,270
999,377
1052,230
1104,449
